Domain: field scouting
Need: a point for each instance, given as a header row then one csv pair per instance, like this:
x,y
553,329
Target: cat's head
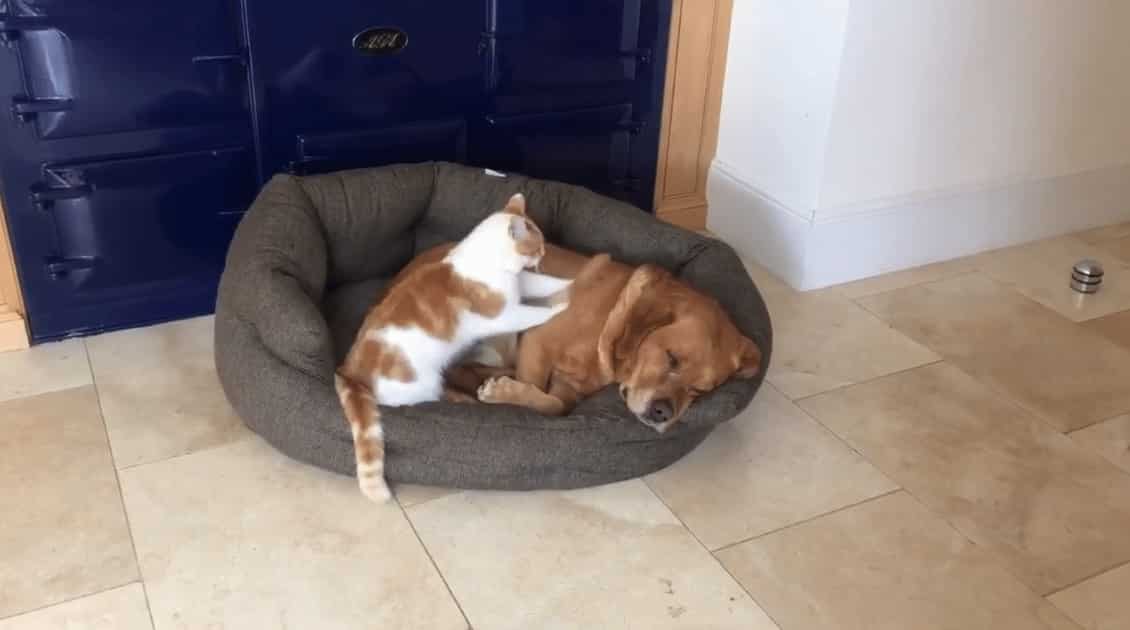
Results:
x,y
527,238
509,236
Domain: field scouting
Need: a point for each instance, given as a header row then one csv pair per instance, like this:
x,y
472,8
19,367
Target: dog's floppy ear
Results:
x,y
747,358
516,205
639,310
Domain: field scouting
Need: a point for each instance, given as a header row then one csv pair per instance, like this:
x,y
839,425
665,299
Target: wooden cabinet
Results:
x,y
696,63
13,329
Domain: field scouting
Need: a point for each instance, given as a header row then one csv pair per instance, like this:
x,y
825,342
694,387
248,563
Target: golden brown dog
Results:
x,y
660,340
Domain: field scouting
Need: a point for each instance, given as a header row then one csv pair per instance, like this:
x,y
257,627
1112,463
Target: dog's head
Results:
x,y
666,344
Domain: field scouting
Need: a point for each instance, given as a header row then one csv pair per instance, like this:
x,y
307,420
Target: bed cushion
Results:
x,y
312,253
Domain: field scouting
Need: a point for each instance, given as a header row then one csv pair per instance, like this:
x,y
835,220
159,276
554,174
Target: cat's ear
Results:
x,y
516,205
519,228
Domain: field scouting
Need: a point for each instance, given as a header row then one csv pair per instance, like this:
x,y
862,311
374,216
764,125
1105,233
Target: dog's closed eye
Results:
x,y
672,361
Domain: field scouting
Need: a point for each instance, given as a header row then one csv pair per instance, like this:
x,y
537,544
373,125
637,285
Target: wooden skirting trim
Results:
x,y
690,217
13,331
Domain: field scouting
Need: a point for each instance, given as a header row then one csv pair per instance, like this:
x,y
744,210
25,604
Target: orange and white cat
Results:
x,y
432,316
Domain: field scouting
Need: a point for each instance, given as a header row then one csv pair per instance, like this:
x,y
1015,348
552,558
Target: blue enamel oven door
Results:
x,y
574,92
364,83
127,158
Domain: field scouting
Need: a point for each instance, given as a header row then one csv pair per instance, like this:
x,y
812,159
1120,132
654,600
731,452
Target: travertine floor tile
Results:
x,y
409,494
906,278
1110,438
44,368
1100,603
1055,512
770,467
821,340
887,564
1112,239
1119,248
239,536
1106,233
1066,374
116,609
605,557
1042,272
160,393
1114,327
63,533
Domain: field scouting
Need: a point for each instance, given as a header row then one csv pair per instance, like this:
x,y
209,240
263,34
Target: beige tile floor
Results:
x,y
947,447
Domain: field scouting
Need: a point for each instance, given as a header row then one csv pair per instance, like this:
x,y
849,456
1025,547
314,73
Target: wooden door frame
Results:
x,y
692,101
13,325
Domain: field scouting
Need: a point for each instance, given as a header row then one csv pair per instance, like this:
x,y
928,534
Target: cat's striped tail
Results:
x,y
364,418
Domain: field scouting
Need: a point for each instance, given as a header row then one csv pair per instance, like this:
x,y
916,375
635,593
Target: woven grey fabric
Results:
x,y
313,252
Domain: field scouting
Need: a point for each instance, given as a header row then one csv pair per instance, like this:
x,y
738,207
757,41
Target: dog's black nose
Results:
x,y
660,411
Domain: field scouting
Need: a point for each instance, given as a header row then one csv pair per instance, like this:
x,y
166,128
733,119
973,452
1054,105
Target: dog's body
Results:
x,y
663,342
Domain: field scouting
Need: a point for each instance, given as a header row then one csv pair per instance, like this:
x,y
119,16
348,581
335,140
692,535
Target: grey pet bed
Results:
x,y
311,255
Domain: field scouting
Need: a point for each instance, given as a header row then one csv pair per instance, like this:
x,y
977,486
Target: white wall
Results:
x,y
936,95
933,125
775,139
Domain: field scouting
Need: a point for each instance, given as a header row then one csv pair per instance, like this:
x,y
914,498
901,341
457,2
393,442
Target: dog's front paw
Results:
x,y
486,390
496,389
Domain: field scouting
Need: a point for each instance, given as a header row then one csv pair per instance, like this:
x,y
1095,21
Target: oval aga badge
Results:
x,y
380,40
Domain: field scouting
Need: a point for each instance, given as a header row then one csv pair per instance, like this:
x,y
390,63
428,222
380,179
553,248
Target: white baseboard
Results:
x,y
811,254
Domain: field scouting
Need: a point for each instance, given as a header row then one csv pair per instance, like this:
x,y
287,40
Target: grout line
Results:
x,y
990,554
961,274
1006,565
822,427
118,481
815,517
946,277
1048,421
840,388
454,491
841,439
1006,396
435,565
239,440
722,566
1089,577
993,555
68,600
1094,451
